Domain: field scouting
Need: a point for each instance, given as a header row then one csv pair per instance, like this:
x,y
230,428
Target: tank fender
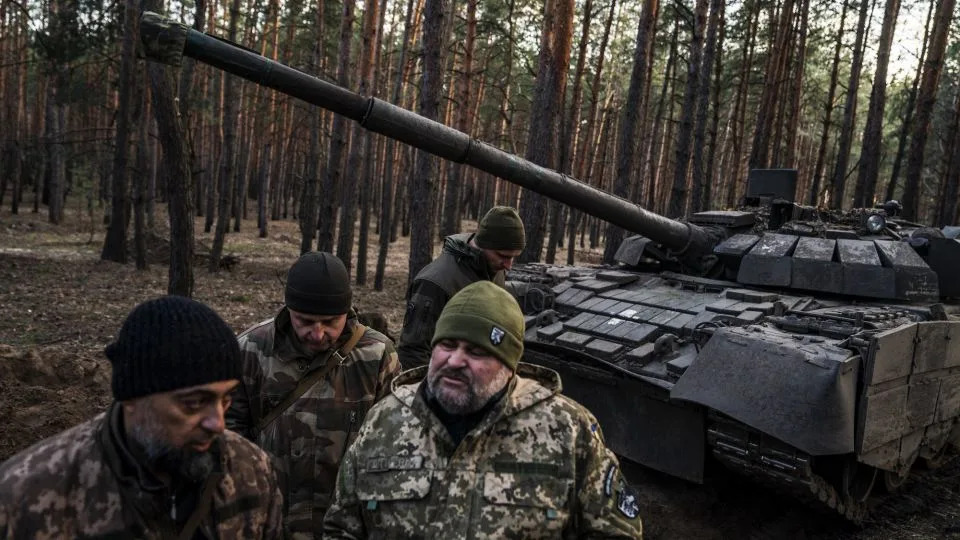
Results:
x,y
801,390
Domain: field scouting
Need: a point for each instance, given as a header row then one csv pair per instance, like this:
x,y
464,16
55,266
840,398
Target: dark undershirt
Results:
x,y
459,425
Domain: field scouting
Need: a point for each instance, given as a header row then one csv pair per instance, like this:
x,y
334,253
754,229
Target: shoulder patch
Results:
x,y
627,502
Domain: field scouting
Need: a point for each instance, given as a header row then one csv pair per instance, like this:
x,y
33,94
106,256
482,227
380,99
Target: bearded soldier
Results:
x,y
309,376
465,259
478,445
158,463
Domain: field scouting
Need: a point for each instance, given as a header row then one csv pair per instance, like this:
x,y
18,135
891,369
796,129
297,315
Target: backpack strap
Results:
x,y
202,509
333,360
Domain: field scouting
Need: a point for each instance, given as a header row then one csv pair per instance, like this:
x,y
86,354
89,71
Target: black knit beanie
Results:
x,y
318,284
501,228
170,343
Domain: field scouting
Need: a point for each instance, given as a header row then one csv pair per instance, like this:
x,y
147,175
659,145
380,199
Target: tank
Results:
x,y
814,351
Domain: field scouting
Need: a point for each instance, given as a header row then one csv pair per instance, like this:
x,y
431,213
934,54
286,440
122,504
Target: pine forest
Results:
x,y
666,104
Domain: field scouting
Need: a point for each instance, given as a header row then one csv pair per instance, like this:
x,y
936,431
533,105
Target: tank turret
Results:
x,y
814,351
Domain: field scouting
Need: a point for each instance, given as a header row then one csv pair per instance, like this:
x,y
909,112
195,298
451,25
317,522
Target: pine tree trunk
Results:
x,y
773,83
338,139
115,243
947,211
360,145
553,63
678,193
423,183
263,187
838,183
228,154
908,109
586,141
701,182
632,113
926,98
308,200
709,173
796,90
873,132
813,198
464,121
387,202
177,164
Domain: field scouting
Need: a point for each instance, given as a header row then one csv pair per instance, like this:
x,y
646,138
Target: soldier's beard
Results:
x,y
469,400
185,463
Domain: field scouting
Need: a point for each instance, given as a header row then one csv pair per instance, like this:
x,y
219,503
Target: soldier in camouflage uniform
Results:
x,y
477,446
158,464
466,258
310,375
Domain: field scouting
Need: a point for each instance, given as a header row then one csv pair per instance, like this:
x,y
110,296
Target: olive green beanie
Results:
x,y
487,316
501,228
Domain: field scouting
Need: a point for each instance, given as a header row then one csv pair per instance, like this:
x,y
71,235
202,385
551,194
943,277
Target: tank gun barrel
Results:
x,y
167,41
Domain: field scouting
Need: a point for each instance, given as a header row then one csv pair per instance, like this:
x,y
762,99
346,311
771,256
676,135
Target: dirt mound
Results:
x,y
46,390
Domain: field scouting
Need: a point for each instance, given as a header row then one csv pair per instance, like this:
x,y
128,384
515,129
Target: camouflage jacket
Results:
x,y
535,467
458,265
308,439
85,483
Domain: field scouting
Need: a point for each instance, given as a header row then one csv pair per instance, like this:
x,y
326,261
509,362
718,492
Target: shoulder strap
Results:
x,y
334,359
203,508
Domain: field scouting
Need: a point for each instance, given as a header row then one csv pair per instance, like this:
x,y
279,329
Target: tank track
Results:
x,y
778,466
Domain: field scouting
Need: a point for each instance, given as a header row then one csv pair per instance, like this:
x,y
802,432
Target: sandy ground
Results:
x,y
60,305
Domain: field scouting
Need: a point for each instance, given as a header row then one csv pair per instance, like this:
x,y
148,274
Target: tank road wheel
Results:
x,y
893,481
857,481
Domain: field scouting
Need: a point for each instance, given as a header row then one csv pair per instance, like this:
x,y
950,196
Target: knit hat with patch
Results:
x,y
170,343
318,284
501,228
487,316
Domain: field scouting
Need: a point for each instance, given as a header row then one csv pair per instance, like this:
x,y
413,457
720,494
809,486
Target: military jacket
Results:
x,y
309,438
535,467
85,483
458,265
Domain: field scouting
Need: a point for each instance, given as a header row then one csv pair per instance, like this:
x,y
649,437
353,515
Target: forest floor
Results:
x,y
60,305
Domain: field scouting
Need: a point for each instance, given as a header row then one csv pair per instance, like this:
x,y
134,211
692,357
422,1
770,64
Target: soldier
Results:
x,y
158,463
476,445
466,258
309,376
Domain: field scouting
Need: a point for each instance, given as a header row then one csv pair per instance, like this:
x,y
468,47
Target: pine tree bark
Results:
x,y
552,66
796,90
387,202
228,154
773,84
115,242
463,122
338,140
908,109
308,199
360,143
140,180
179,189
423,183
700,184
678,192
838,183
632,112
814,195
926,99
873,132
947,211
586,140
